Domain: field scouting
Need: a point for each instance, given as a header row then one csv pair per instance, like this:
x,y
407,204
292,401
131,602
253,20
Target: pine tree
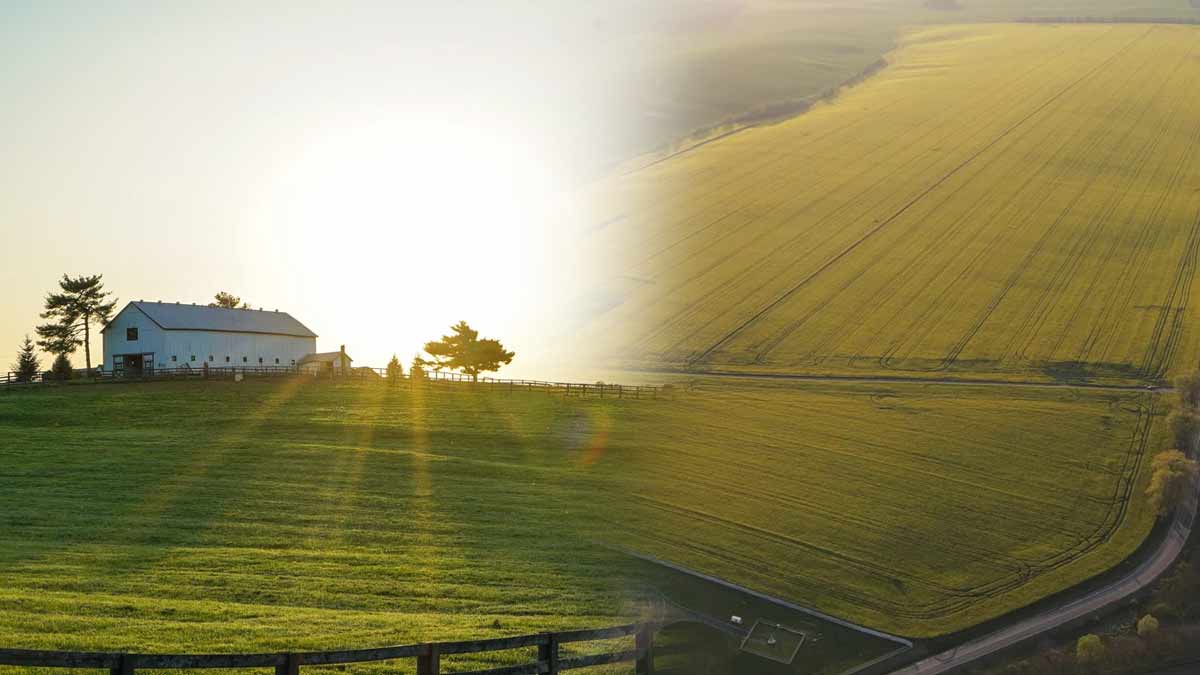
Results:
x,y
61,368
395,371
27,364
462,350
82,302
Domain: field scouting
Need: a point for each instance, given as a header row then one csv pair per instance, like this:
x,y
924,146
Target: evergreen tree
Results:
x,y
61,369
27,364
395,371
82,302
417,370
462,350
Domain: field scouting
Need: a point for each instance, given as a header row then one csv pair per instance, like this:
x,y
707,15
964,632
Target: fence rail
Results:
x,y
428,656
582,389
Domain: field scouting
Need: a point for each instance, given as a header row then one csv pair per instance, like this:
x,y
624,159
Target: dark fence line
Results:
x,y
428,656
582,389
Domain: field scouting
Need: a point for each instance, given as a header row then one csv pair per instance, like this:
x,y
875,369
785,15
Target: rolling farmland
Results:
x,y
917,509
256,517
1020,201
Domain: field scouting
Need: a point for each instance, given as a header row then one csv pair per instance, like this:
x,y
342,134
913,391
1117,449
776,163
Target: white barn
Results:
x,y
154,335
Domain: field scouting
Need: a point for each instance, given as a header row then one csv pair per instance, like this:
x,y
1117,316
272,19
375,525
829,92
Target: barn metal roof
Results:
x,y
178,316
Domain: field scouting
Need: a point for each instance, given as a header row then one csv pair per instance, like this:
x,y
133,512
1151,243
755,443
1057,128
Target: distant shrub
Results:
x,y
1147,625
1089,649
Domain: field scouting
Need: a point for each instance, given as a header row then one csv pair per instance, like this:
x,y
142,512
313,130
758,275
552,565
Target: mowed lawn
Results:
x,y
1018,201
222,517
917,509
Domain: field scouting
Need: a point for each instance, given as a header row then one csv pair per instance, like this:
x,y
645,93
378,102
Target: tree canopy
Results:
x,y
1089,649
81,302
464,351
1169,482
228,301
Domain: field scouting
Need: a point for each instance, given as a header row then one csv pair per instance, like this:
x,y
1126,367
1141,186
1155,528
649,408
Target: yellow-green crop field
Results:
x,y
1015,201
914,508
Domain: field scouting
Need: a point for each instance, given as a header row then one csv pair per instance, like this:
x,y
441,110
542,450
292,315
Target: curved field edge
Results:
x,y
913,509
1015,201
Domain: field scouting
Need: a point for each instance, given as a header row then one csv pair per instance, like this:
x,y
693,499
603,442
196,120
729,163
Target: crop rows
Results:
x,y
919,509
1017,200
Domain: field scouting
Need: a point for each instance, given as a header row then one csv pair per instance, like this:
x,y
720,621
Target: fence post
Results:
x,y
290,667
430,662
549,653
644,643
124,666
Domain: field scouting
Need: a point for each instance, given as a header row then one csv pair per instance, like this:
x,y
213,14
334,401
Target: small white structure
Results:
x,y
148,335
336,363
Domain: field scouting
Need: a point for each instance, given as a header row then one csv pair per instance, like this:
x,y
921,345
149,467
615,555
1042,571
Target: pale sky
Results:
x,y
378,170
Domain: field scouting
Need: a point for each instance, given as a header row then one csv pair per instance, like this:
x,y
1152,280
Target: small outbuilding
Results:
x,y
336,363
145,336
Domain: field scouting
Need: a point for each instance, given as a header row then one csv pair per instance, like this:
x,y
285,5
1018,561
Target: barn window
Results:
x,y
210,358
173,359
131,333
293,362
260,359
193,357
227,359
276,360
244,359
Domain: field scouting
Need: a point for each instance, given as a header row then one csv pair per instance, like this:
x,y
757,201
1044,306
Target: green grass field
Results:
x,y
1019,201
255,517
222,517
916,509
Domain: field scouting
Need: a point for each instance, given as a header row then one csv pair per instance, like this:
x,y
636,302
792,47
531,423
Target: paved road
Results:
x,y
1052,618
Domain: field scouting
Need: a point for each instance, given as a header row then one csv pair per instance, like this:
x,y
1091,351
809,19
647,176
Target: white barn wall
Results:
x,y
183,344
150,337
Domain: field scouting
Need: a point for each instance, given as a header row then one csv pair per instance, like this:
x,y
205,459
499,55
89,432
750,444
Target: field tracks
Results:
x,y
905,207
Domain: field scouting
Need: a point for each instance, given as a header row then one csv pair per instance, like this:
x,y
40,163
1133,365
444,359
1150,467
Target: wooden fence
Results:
x,y
428,656
433,378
